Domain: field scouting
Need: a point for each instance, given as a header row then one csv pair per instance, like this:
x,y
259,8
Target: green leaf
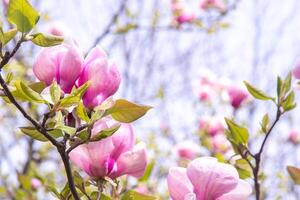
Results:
x,y
125,111
69,101
243,168
279,87
25,182
78,181
35,134
294,173
237,133
265,123
289,102
38,86
256,93
81,112
287,83
67,129
9,78
8,36
81,90
147,172
22,14
55,92
105,133
133,195
27,93
46,40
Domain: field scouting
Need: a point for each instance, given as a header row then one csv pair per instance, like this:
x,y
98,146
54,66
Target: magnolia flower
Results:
x,y
206,93
181,13
218,4
35,183
220,144
294,137
207,179
61,63
237,96
57,28
187,150
296,71
212,125
113,156
104,77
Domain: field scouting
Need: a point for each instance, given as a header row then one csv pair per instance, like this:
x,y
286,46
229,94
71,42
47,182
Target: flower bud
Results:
x,y
61,63
35,183
187,150
104,77
294,137
237,96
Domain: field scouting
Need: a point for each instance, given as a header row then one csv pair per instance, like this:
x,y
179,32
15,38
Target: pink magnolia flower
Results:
x,y
294,137
181,13
113,156
207,179
218,4
212,125
187,150
185,18
296,71
237,96
35,183
220,144
105,78
61,63
57,28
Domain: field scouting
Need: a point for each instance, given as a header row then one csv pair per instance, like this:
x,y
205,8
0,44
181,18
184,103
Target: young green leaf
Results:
x,y
148,172
237,133
22,14
125,111
105,133
265,123
243,168
81,112
55,92
9,35
256,93
46,40
294,173
27,93
35,134
289,102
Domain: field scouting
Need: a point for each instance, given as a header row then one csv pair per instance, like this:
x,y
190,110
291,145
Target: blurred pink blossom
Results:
x,y
187,150
218,4
294,137
57,28
61,63
181,13
212,125
296,71
237,96
35,183
220,144
113,156
104,76
143,189
207,179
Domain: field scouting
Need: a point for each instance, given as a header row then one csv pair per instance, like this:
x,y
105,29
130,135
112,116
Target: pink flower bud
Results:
x,y
35,183
206,93
207,179
57,28
220,144
185,18
113,156
296,71
187,150
105,78
61,63
294,137
237,96
217,4
212,125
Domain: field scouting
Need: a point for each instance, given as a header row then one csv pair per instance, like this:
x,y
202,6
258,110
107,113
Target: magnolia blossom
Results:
x,y
181,13
207,179
294,137
104,77
57,28
220,144
206,93
35,183
187,150
113,156
212,125
296,71
61,63
237,96
218,4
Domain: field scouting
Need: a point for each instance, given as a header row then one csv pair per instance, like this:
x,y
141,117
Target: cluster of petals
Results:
x,y
207,179
66,65
187,150
113,156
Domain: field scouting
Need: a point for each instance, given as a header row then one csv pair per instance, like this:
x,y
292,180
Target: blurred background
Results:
x,y
164,64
